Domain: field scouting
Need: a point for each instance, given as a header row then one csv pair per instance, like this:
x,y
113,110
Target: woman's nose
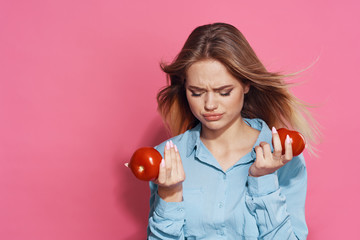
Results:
x,y
210,102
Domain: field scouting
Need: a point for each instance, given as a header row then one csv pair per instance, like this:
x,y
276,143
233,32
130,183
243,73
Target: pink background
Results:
x,y
78,81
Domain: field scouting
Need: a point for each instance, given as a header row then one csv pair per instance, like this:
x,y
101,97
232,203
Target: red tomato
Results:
x,y
298,140
145,163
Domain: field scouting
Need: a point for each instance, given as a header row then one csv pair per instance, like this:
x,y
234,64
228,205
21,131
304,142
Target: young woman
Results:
x,y
223,175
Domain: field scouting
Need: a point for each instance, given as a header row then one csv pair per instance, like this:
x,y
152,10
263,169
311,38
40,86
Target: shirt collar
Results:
x,y
265,133
194,139
259,124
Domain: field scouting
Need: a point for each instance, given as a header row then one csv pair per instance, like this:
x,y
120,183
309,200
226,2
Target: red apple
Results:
x,y
145,163
298,140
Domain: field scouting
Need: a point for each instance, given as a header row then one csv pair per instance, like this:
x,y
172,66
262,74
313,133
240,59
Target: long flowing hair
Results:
x,y
269,97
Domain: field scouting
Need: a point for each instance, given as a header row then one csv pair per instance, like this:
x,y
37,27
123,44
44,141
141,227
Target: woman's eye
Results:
x,y
195,94
225,93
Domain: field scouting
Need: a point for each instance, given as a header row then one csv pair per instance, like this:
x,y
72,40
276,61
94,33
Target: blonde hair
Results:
x,y
269,97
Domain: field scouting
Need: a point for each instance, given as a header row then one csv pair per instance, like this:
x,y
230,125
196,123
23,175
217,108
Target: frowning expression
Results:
x,y
215,96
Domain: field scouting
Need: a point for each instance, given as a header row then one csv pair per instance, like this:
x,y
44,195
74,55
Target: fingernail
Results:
x,y
171,144
162,163
167,145
274,130
288,139
126,164
176,150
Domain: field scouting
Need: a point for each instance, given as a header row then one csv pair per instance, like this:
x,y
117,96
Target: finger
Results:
x,y
180,169
167,157
266,149
176,160
288,149
259,153
173,159
162,173
276,143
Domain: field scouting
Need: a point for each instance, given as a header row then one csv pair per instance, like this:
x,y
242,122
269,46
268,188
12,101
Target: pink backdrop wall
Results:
x,y
78,81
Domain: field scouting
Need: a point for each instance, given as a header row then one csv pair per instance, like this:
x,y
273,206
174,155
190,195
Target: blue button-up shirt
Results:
x,y
230,205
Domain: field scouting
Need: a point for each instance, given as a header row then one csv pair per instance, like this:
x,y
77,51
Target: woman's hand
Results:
x,y
267,162
171,175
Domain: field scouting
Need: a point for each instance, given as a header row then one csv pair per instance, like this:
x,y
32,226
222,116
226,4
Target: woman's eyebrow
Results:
x,y
223,87
196,88
203,89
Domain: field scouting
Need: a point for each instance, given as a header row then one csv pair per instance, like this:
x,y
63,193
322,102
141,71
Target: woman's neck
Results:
x,y
229,144
235,133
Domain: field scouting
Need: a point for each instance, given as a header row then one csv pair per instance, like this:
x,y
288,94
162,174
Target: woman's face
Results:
x,y
215,97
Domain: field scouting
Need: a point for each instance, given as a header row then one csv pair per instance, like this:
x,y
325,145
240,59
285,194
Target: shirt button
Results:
x,y
221,205
224,177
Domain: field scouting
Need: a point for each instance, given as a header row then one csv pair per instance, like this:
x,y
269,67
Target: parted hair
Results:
x,y
269,97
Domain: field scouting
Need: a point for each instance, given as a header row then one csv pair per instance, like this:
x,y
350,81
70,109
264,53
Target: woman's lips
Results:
x,y
213,116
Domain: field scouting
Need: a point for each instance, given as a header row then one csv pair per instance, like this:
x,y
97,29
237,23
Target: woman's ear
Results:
x,y
246,88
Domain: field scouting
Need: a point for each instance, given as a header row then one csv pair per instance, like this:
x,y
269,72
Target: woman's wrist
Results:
x,y
171,194
259,173
251,172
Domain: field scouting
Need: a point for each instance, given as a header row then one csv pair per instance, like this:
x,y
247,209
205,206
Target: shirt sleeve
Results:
x,y
166,219
277,201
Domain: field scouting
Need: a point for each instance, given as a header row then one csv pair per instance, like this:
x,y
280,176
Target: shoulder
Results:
x,y
184,141
176,140
260,125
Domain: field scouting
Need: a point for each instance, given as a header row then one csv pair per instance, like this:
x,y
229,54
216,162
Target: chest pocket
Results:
x,y
194,213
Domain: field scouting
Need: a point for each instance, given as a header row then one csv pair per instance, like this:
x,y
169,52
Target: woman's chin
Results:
x,y
220,124
213,125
